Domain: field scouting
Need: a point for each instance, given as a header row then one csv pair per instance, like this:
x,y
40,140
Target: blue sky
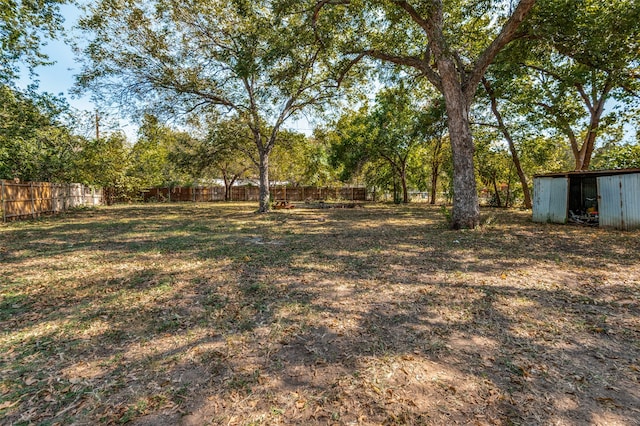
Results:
x,y
59,78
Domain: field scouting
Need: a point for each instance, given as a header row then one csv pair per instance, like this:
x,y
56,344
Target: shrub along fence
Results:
x,y
31,199
252,193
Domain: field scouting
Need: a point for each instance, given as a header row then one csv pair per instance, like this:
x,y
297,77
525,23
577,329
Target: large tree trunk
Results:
x,y
403,180
227,186
435,170
264,182
496,190
434,184
583,159
466,209
596,108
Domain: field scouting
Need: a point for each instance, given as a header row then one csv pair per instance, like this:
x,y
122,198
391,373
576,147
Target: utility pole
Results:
x,y
97,125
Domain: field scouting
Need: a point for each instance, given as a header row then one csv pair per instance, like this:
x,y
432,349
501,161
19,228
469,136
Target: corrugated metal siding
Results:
x,y
632,200
619,201
541,189
610,202
550,199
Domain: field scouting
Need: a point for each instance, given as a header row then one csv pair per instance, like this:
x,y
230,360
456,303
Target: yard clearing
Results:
x,y
196,314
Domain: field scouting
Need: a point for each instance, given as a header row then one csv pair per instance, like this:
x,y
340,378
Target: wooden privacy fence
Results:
x,y
184,194
31,199
252,193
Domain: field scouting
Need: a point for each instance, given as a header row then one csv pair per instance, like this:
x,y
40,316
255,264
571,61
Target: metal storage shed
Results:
x,y
608,198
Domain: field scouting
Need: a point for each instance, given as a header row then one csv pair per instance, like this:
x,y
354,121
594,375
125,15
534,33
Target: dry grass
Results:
x,y
211,314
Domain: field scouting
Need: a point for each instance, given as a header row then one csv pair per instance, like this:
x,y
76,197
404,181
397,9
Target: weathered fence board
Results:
x,y
31,199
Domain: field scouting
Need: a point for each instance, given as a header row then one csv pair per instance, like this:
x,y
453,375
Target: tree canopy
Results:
x,y
580,56
255,59
25,26
389,133
451,44
35,144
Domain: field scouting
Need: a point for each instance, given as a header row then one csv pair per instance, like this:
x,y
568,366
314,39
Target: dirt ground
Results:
x,y
199,314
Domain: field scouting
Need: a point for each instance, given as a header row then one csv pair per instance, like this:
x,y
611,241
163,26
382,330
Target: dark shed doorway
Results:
x,y
583,199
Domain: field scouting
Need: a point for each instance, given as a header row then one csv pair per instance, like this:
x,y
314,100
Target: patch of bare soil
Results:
x,y
209,314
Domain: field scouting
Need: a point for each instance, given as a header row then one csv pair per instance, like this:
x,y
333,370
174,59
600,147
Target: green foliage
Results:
x,y
25,26
544,154
317,170
579,54
34,142
613,156
226,151
259,63
288,160
596,34
151,164
451,44
255,59
418,168
38,144
301,160
103,162
494,169
386,137
347,143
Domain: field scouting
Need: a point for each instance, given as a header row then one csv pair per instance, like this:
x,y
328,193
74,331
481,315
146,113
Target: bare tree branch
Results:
x,y
580,88
425,24
410,61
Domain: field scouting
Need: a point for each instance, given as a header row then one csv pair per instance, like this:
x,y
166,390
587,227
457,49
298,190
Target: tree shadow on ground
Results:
x,y
167,314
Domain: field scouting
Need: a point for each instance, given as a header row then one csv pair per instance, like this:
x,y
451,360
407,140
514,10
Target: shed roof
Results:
x,y
593,173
